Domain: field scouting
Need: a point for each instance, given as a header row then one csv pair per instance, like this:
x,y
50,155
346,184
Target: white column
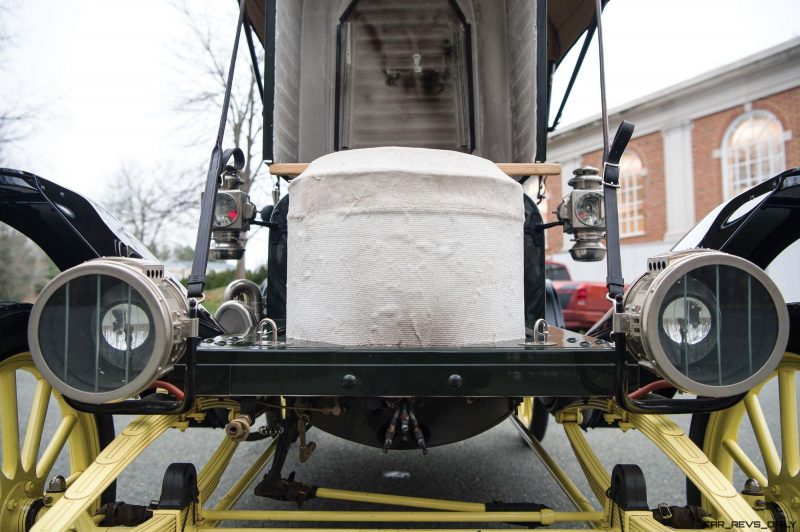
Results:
x,y
679,179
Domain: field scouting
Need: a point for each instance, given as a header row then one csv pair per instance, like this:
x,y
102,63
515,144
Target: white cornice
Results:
x,y
768,72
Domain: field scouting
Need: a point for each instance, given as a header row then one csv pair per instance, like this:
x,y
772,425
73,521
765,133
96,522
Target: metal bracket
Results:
x,y
622,322
306,449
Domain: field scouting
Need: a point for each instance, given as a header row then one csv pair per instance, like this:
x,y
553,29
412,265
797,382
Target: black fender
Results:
x,y
69,228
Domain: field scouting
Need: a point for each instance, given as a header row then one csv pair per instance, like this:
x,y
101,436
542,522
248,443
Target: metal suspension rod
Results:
x,y
545,517
581,56
197,279
400,500
603,107
248,33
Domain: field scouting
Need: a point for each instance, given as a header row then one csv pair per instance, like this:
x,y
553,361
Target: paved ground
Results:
x,y
493,466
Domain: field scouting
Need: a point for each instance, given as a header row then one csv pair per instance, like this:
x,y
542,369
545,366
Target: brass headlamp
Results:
x,y
710,323
104,330
583,214
233,213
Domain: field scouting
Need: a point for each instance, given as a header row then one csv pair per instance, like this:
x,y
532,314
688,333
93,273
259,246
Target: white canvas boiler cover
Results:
x,y
405,246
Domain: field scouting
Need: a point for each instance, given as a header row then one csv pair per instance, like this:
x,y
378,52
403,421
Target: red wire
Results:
x,y
644,390
171,388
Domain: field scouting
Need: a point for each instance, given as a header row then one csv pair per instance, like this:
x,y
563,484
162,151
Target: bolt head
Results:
x,y
349,381
752,487
455,381
57,484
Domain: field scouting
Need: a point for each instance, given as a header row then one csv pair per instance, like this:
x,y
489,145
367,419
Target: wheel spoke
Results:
x,y
747,465
762,433
790,447
56,444
9,423
33,434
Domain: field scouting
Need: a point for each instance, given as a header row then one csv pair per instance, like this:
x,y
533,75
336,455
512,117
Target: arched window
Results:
x,y
631,195
752,151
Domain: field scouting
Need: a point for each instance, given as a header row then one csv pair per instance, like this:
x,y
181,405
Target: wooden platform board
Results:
x,y
291,170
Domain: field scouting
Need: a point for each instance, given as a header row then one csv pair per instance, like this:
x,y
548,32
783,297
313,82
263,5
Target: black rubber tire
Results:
x,y
541,416
14,334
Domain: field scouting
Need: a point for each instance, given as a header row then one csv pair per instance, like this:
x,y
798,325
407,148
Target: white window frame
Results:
x,y
633,195
731,178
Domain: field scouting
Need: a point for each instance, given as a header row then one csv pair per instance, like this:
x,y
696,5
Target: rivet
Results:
x,y
455,381
349,381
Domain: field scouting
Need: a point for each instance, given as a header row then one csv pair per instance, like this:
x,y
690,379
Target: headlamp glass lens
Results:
x,y
125,326
226,210
686,319
96,333
718,325
589,209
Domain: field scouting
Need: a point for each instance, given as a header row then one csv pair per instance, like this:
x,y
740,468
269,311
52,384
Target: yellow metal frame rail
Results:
x,y
70,511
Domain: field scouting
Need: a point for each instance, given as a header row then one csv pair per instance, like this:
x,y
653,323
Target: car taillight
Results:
x,y
581,295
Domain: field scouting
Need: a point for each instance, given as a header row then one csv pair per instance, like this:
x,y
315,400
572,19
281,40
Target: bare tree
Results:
x,y
210,72
12,115
24,268
148,208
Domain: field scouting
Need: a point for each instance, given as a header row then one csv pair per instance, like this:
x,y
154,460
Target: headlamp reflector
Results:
x,y
710,323
106,329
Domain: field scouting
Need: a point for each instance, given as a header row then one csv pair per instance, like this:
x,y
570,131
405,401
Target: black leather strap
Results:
x,y
614,280
611,164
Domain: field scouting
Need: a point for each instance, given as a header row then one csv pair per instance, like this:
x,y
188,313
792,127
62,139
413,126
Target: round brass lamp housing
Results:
x,y
104,330
710,323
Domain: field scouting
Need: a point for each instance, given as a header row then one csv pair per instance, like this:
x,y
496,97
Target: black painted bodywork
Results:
x,y
69,228
757,225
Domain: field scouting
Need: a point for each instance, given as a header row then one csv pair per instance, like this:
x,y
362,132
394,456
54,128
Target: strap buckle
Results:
x,y
615,169
664,511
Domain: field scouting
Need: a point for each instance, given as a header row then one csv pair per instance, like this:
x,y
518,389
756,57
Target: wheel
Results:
x,y
27,462
778,474
534,416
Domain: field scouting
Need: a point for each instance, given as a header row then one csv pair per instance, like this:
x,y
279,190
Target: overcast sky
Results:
x,y
104,78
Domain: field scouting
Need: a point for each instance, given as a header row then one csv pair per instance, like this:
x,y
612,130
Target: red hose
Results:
x,y
171,388
644,390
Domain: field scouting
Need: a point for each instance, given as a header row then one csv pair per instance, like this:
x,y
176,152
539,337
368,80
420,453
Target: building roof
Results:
x,y
783,57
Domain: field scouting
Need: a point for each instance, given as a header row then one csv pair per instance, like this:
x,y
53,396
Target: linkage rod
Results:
x,y
399,500
547,516
567,485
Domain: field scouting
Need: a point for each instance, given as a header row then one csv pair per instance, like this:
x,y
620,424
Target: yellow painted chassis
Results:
x,y
72,509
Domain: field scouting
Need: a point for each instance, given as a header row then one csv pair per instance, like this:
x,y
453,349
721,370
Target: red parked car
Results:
x,y
583,302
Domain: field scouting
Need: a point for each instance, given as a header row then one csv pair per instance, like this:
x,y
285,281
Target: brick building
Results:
x,y
695,144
